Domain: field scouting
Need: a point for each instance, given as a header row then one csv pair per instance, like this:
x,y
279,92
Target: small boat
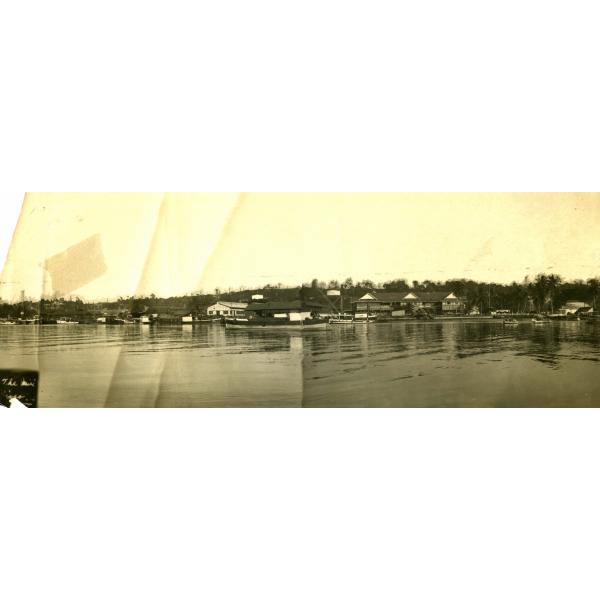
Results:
x,y
111,321
538,321
510,322
342,320
500,314
196,322
66,322
364,318
274,323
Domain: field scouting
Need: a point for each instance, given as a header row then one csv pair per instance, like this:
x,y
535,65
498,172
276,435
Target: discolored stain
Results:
x,y
77,266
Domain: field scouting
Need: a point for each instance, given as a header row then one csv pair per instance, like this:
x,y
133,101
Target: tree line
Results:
x,y
545,292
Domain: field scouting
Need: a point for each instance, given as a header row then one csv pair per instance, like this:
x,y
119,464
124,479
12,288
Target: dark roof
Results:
x,y
391,296
282,305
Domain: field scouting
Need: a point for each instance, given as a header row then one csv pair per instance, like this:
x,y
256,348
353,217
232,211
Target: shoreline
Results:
x,y
172,323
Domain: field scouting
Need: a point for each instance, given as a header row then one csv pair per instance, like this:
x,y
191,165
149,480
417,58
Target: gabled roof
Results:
x,y
230,304
407,296
433,296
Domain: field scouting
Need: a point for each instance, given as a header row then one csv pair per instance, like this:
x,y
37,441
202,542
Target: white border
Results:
x,y
317,96
271,504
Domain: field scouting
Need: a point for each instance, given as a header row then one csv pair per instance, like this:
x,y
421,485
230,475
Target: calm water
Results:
x,y
399,364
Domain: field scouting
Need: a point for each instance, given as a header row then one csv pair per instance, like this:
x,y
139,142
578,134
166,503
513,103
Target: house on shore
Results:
x,y
401,304
574,308
292,310
225,308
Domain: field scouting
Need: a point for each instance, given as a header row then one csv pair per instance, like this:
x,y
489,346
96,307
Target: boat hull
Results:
x,y
268,324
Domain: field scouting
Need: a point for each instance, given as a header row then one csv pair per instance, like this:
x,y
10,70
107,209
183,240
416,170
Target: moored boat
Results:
x,y
32,321
200,321
288,314
342,320
274,323
510,322
364,318
501,314
111,321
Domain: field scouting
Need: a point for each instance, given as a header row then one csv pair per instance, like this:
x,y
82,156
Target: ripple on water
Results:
x,y
443,363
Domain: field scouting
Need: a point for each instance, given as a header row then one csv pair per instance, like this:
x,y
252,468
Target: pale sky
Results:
x,y
171,244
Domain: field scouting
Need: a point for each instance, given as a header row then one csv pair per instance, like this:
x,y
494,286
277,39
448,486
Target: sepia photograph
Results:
x,y
413,253
302,300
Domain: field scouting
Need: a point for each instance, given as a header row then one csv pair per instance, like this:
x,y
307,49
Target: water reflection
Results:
x,y
456,364
399,364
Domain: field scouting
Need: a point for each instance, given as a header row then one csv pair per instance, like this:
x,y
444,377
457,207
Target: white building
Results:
x,y
224,308
571,308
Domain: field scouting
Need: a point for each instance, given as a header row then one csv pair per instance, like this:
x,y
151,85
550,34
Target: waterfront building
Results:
x,y
225,308
572,308
292,310
400,304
